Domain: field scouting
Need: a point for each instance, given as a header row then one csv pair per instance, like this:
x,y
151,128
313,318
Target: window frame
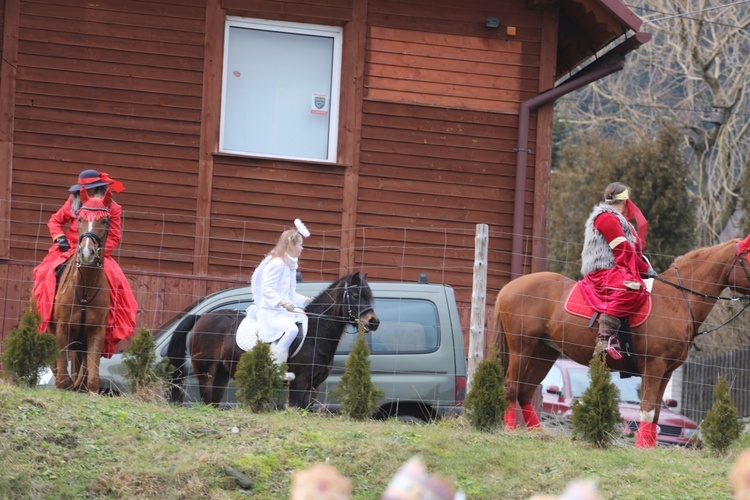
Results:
x,y
336,33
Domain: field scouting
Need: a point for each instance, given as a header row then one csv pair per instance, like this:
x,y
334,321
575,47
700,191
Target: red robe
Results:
x,y
123,306
620,290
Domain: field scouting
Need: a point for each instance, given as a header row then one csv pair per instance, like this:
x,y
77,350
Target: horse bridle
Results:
x,y
353,314
98,242
685,291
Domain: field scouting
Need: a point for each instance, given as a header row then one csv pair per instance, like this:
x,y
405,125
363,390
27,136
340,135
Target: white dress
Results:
x,y
275,280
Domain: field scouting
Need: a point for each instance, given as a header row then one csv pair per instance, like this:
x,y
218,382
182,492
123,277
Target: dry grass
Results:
x,y
55,444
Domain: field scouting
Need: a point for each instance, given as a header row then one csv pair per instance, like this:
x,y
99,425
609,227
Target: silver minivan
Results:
x,y
417,354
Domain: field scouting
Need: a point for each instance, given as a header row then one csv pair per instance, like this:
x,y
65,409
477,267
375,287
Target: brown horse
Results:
x,y
534,329
79,316
214,352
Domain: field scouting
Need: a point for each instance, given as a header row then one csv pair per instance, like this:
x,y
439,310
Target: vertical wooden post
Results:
x,y
209,138
7,117
478,302
350,140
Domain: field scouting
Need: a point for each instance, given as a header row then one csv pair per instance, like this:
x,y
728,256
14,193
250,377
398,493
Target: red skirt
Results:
x,y
607,291
123,306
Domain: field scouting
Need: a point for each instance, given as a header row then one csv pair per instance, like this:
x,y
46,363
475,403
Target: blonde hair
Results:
x,y
287,240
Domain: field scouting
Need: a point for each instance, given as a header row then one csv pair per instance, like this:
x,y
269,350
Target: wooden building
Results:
x,y
391,128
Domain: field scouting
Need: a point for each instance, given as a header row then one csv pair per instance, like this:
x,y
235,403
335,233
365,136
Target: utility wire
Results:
x,y
686,14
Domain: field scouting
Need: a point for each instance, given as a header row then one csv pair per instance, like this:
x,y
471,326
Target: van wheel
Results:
x,y
410,419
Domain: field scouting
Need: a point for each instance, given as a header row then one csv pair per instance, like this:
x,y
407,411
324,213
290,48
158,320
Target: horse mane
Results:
x,y
699,254
330,300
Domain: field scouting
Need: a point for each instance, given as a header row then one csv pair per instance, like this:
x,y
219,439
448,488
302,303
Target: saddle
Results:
x,y
577,305
249,330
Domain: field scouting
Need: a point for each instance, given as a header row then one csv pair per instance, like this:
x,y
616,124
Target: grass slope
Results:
x,y
55,444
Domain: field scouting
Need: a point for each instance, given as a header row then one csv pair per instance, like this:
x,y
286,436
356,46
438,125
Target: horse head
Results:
x,y
739,276
93,226
353,301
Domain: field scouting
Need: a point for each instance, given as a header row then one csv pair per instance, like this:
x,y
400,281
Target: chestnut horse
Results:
x,y
534,329
82,301
214,352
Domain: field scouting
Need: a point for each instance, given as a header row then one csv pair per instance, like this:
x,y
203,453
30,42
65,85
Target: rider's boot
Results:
x,y
607,336
279,354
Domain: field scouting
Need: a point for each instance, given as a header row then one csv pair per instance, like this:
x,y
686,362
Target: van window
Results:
x,y
407,326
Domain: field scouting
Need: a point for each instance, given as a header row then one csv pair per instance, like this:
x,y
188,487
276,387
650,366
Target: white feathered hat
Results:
x,y
301,229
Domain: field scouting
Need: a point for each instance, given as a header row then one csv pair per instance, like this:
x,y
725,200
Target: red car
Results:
x,y
567,380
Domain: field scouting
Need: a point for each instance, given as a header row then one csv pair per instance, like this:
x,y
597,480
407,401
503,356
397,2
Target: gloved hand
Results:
x,y
286,305
651,273
308,301
62,242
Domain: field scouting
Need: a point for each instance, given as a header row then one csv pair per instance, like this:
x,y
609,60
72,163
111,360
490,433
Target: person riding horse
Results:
x,y
121,318
274,286
612,263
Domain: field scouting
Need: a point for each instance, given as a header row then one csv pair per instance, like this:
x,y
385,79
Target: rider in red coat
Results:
x,y
123,306
613,262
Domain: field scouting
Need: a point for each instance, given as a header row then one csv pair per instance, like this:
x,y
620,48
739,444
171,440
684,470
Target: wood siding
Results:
x,y
116,88
428,131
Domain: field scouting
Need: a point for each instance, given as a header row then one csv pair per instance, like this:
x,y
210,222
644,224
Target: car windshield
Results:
x,y
630,388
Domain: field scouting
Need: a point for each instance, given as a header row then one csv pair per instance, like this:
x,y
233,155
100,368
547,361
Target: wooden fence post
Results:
x,y
478,302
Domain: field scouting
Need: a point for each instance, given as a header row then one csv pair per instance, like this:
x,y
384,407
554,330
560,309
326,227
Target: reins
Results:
x,y
83,300
685,291
351,316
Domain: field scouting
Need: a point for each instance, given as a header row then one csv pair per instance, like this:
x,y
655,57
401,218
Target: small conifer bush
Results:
x,y
145,377
258,379
486,403
722,426
596,415
358,395
26,351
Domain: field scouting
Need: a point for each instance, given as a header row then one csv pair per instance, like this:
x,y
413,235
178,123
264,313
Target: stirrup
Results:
x,y
613,348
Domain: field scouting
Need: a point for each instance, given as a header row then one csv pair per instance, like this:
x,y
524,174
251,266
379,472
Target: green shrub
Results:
x,y
596,415
359,397
145,377
27,351
486,403
722,426
258,379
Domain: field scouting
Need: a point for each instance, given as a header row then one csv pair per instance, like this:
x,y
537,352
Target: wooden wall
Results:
x,y
429,123
116,88
439,132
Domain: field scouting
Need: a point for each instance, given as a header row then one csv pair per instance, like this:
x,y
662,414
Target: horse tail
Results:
x,y
177,354
502,341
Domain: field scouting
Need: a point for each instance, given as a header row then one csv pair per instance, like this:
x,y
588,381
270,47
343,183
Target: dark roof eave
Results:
x,y
617,9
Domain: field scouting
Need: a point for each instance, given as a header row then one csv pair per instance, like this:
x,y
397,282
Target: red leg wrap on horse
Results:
x,y
530,416
646,437
510,417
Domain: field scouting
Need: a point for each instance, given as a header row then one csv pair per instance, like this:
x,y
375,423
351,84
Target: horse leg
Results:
x,y
92,358
221,379
300,392
535,372
521,375
62,375
205,375
653,384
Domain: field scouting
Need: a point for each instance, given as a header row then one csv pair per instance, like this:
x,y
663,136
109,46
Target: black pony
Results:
x,y
214,352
